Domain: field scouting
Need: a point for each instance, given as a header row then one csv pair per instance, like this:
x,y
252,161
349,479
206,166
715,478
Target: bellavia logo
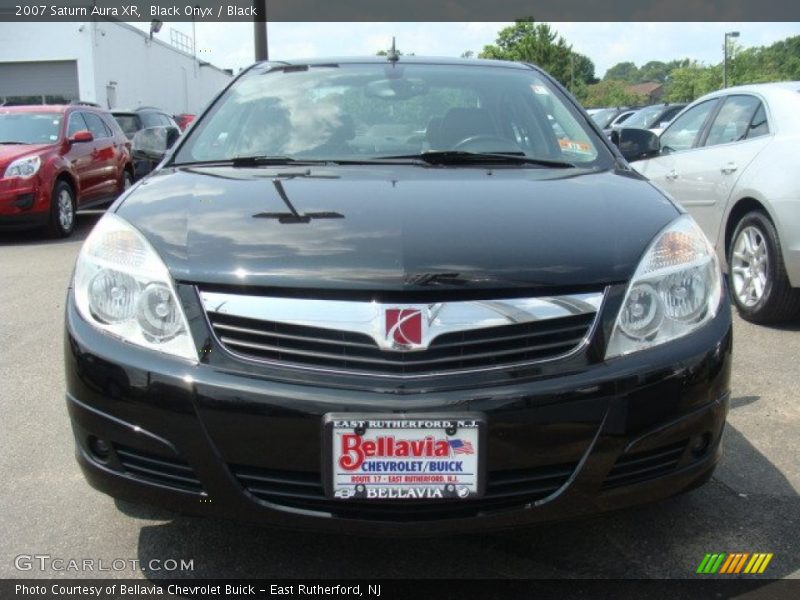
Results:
x,y
734,563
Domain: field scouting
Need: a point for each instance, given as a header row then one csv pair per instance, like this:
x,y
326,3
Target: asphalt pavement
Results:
x,y
46,508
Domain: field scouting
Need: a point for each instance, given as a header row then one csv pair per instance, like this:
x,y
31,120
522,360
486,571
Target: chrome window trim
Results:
x,y
369,317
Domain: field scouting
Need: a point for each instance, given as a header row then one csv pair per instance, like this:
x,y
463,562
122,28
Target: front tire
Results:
x,y
62,211
759,284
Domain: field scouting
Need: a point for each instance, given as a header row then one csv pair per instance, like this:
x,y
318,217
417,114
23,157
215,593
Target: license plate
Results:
x,y
408,457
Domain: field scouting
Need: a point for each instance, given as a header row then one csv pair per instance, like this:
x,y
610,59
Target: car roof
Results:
x,y
403,59
37,108
782,98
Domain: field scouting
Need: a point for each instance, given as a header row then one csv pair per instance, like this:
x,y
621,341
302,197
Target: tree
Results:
x,y
692,81
538,43
397,50
655,70
624,71
610,93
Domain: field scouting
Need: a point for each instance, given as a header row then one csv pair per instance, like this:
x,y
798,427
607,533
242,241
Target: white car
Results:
x,y
732,160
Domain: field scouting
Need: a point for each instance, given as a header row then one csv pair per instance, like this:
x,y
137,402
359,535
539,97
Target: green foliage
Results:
x,y
684,80
624,71
610,93
655,70
692,81
538,43
778,62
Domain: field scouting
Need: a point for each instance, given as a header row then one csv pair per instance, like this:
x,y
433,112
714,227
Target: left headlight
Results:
x,y
675,290
124,288
24,167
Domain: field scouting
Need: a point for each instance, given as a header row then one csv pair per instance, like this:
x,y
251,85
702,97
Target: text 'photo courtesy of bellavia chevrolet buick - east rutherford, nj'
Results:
x,y
393,294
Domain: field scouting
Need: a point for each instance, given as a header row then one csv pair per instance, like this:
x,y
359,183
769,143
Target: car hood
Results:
x,y
11,152
397,227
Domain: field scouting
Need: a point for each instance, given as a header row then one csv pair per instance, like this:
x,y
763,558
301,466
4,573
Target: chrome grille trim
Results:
x,y
348,337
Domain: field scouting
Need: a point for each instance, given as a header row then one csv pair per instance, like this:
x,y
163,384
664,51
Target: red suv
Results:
x,y
56,159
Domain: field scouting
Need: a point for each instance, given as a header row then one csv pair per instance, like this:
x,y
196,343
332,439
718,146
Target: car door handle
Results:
x,y
673,174
729,168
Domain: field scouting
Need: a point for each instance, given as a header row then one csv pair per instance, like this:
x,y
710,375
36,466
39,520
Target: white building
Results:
x,y
108,62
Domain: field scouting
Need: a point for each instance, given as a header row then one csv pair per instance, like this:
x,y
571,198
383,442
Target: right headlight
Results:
x,y
675,290
24,168
123,288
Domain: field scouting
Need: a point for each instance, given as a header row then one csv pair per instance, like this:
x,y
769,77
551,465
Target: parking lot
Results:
x,y
751,504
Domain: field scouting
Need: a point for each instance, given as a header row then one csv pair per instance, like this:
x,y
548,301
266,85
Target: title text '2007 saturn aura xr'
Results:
x,y
396,295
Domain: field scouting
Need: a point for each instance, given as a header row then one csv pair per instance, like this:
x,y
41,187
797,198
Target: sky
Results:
x,y
230,45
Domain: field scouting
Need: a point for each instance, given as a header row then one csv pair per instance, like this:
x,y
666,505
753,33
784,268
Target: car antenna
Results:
x,y
393,56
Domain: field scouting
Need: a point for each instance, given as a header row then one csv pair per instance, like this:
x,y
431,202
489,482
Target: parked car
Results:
x,y
55,160
620,119
730,160
605,116
654,117
483,326
145,118
183,120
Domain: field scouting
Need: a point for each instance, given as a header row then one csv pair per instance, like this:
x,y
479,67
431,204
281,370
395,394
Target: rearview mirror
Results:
x,y
82,136
636,144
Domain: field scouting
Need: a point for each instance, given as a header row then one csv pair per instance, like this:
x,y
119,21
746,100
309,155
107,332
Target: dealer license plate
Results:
x,y
412,457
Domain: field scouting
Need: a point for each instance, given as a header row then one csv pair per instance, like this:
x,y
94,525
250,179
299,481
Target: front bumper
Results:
x,y
24,203
210,441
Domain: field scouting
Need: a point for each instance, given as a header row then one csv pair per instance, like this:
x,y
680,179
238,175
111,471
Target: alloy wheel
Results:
x,y
66,211
749,264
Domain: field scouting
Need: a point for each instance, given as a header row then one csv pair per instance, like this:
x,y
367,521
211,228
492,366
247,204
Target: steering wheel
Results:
x,y
482,138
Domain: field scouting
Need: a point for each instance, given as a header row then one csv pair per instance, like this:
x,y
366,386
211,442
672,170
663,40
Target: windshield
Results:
x,y
645,118
29,127
371,111
604,117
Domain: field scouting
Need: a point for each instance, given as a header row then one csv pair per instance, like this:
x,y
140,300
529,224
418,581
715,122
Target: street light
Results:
x,y
260,29
729,34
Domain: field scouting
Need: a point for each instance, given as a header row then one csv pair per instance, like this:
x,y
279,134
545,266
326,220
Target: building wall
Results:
x,y
32,42
117,63
131,70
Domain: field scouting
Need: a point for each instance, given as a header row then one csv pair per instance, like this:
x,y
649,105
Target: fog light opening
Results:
x,y
100,449
701,444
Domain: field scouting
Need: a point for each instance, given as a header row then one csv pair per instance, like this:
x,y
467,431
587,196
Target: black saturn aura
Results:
x,y
397,295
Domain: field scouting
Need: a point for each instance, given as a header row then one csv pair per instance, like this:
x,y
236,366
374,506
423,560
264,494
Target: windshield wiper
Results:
x,y
266,160
456,157
14,142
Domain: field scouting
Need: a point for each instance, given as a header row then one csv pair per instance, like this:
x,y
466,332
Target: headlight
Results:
x,y
122,287
676,289
24,167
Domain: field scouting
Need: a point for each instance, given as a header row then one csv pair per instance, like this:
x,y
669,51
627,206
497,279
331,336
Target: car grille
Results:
x,y
645,465
304,490
172,472
450,352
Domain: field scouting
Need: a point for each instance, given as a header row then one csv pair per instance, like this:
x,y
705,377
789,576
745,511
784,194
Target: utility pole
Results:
x,y
260,30
730,34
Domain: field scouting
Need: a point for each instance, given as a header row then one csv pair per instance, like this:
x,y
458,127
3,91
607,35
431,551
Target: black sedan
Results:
x,y
396,295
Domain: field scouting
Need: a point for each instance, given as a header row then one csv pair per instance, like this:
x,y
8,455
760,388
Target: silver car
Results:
x,y
732,159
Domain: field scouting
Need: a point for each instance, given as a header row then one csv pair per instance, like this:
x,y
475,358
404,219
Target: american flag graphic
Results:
x,y
461,447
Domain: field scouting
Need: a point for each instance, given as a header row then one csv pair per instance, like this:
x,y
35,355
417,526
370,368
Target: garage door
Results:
x,y
38,82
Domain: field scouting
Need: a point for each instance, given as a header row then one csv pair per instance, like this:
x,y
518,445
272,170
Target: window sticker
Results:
x,y
573,146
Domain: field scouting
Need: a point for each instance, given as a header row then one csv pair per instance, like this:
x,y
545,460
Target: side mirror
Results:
x,y
151,143
636,144
172,136
82,136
